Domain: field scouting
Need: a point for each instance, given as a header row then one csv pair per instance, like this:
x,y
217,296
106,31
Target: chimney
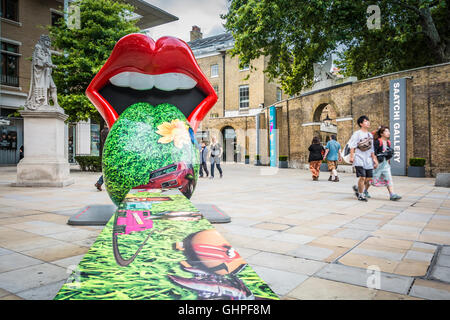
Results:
x,y
196,33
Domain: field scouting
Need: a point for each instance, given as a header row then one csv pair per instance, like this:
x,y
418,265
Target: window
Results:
x,y
214,70
9,9
55,17
216,88
10,64
279,94
243,97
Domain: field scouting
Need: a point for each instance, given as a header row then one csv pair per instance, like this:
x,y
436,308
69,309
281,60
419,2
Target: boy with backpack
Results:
x,y
362,157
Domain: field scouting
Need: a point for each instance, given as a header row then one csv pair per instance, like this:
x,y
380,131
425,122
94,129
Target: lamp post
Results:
x,y
327,121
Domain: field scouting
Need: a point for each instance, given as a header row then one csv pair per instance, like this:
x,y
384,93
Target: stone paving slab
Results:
x,y
441,273
286,263
366,278
281,282
31,277
311,252
323,289
45,292
430,290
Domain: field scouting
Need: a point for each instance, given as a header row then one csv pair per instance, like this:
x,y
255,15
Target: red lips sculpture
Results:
x,y
139,53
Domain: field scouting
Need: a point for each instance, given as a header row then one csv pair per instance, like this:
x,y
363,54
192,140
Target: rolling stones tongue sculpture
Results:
x,y
153,96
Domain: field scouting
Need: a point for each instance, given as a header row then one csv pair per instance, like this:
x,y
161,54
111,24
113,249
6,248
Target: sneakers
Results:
x,y
315,178
98,186
330,178
336,179
362,198
221,176
367,195
395,197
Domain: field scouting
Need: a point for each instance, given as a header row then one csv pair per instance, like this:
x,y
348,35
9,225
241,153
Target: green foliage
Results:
x,y
132,150
417,162
294,34
283,158
89,163
85,50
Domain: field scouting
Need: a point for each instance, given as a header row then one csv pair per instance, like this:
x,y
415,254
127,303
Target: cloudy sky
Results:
x,y
203,13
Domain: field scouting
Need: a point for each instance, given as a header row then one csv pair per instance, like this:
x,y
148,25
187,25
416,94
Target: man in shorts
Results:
x,y
332,155
362,157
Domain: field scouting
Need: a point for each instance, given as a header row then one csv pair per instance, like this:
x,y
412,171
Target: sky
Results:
x,y
202,13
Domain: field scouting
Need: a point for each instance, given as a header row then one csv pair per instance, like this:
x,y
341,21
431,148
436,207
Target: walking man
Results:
x,y
216,153
203,158
363,158
333,156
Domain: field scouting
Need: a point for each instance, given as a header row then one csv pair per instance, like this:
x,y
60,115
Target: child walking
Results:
x,y
382,176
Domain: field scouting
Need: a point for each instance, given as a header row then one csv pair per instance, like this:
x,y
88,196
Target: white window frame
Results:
x,y
279,94
214,67
243,101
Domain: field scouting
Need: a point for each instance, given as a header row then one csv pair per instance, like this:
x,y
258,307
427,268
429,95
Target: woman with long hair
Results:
x,y
382,176
315,157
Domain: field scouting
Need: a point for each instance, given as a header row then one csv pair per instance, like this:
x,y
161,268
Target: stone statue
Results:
x,y
42,87
322,71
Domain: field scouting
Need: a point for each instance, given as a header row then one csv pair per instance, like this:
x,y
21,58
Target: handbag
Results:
x,y
365,144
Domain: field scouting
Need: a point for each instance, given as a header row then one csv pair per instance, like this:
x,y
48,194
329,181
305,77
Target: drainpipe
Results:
x,y
223,52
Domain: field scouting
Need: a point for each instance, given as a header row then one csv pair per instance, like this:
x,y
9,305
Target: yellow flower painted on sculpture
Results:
x,y
176,131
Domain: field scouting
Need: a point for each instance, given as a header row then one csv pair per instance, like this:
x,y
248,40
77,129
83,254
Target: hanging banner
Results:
x,y
397,117
273,136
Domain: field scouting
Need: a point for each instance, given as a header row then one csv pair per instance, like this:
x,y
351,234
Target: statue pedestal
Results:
x,y
44,164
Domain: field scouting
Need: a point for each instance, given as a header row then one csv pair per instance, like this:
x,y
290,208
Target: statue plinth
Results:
x,y
44,163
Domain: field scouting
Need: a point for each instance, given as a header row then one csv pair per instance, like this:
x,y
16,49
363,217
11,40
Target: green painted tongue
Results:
x,y
143,139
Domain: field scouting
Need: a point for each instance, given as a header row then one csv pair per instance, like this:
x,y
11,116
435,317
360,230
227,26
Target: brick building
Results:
x,y
242,93
240,117
21,27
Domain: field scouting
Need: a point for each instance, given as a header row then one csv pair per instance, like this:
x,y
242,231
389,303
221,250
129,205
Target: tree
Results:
x,y
294,34
85,50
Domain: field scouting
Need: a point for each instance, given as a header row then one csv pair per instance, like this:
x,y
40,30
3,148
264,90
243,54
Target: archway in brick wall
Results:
x,y
327,128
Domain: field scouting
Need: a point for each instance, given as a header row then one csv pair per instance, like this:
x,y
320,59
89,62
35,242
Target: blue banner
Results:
x,y
273,136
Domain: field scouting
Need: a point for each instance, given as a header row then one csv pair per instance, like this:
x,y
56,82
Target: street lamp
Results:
x,y
327,121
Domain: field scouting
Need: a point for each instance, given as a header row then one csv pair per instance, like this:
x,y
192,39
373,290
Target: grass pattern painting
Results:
x,y
144,140
173,263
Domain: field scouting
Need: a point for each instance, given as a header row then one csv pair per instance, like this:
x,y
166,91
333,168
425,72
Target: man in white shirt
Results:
x,y
362,157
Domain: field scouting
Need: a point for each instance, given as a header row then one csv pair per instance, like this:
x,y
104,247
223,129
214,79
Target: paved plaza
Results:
x,y
306,239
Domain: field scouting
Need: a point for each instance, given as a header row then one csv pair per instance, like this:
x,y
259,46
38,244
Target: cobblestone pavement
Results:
x,y
306,239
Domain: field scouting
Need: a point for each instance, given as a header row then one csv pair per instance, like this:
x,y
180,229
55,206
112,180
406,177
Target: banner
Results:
x,y
273,136
397,117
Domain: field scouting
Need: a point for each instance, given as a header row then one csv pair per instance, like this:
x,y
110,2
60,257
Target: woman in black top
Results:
x,y
316,151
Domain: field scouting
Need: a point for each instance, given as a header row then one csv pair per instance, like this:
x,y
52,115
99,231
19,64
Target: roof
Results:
x,y
148,15
151,16
212,44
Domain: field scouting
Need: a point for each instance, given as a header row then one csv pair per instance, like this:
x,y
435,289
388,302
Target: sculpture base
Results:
x,y
45,163
43,174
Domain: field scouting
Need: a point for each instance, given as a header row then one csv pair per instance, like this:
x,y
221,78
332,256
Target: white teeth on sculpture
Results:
x,y
165,81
